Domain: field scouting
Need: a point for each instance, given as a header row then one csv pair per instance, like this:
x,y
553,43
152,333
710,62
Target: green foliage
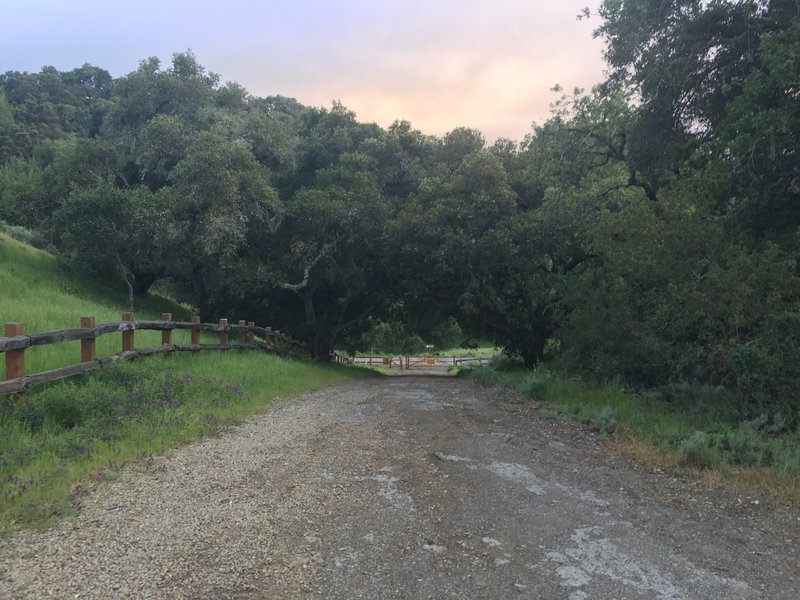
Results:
x,y
6,117
51,105
535,384
699,308
447,334
388,338
21,192
330,241
698,450
758,138
484,375
605,421
717,88
23,234
506,363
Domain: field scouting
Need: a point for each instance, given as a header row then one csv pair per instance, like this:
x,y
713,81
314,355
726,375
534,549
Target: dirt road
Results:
x,y
413,487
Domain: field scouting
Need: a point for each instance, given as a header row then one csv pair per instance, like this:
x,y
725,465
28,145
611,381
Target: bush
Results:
x,y
412,344
745,447
787,459
503,362
535,384
699,450
388,338
605,421
448,334
24,235
572,410
485,375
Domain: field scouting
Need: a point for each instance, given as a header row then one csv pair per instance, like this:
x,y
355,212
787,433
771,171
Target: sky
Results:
x,y
440,64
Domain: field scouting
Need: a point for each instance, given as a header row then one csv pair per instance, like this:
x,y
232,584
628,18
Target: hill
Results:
x,y
45,292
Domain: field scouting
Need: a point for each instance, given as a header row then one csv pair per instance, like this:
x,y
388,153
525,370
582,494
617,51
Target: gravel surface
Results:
x,y
407,487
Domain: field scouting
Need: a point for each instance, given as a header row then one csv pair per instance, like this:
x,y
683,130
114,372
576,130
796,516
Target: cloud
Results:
x,y
445,64
438,63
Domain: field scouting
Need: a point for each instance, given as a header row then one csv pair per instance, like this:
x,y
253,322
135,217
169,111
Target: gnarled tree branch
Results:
x,y
323,252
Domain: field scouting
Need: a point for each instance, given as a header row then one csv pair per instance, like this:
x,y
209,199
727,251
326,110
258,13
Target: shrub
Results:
x,y
24,235
485,375
745,446
535,384
605,421
412,344
503,362
787,460
699,450
448,334
572,410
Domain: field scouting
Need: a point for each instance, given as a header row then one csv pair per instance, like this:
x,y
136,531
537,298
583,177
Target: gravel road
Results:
x,y
407,487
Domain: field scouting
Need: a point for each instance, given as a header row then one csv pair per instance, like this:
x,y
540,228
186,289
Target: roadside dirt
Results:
x,y
408,487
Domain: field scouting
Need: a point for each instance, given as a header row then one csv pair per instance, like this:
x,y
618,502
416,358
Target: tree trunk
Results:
x,y
130,295
142,283
129,280
322,348
308,308
200,285
533,350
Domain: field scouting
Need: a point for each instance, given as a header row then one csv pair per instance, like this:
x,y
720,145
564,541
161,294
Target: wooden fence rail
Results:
x,y
15,342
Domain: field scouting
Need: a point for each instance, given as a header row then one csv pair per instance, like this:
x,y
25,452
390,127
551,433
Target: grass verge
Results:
x,y
683,429
485,350
57,439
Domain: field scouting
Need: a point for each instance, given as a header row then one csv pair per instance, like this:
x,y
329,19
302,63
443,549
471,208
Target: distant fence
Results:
x,y
16,342
409,362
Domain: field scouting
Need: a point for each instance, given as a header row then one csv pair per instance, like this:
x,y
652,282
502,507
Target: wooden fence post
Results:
x,y
223,335
196,330
166,334
88,346
277,342
242,325
15,359
268,337
251,336
127,336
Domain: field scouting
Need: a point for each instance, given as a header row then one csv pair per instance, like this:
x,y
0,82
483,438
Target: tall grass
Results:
x,y
55,439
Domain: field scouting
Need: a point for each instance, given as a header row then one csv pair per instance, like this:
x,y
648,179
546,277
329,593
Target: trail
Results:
x,y
407,487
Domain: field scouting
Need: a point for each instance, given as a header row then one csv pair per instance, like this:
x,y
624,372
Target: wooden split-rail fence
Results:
x,y
15,342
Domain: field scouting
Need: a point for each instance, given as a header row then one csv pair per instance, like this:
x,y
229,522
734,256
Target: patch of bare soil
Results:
x,y
408,487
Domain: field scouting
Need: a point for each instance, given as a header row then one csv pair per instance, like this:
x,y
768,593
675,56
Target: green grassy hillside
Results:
x,y
56,437
45,293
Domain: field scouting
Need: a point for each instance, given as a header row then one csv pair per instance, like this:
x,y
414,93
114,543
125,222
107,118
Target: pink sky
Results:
x,y
437,63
